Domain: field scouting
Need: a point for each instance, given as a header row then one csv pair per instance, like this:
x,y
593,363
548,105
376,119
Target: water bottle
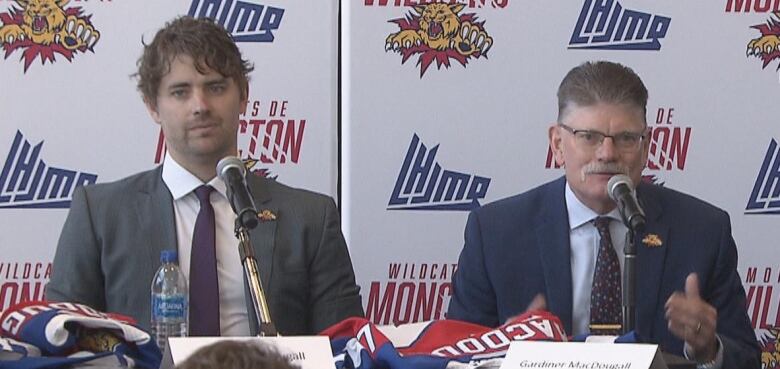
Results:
x,y
170,300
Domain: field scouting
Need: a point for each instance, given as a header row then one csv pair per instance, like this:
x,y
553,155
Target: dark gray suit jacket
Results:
x,y
110,248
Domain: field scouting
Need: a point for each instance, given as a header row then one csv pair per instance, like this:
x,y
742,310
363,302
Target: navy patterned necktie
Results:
x,y
204,290
606,309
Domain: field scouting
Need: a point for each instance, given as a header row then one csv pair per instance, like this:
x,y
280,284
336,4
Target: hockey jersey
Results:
x,y
42,334
441,344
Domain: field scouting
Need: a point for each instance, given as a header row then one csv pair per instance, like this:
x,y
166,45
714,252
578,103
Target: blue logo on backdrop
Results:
x,y
604,24
765,198
423,185
245,20
27,182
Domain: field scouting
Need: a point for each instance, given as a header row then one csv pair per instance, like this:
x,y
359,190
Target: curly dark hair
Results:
x,y
236,355
206,42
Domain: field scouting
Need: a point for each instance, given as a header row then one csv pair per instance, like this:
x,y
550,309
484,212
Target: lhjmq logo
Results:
x,y
765,198
43,28
27,182
246,21
438,33
604,24
423,185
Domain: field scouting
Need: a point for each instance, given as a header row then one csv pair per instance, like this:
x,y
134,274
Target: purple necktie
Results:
x,y
204,290
606,309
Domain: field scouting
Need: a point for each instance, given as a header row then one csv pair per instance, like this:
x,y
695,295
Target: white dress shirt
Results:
x,y
584,242
233,317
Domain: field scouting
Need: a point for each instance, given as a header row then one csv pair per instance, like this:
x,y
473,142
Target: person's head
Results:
x,y
236,355
195,84
596,99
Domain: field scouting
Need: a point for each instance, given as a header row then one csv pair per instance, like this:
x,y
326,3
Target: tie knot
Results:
x,y
204,192
602,224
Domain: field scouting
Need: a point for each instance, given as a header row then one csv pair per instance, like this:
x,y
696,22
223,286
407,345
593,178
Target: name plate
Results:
x,y
308,352
582,355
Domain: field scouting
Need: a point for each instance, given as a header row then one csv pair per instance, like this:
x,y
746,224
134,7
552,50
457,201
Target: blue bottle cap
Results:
x,y
169,256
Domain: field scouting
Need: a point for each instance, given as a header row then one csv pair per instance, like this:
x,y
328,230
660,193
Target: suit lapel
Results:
x,y
651,249
264,235
263,244
155,215
552,238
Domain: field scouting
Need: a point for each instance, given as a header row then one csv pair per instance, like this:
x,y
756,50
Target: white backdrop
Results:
x,y
481,118
711,111
88,116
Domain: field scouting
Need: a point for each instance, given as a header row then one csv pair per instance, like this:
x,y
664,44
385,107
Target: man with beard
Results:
x,y
194,84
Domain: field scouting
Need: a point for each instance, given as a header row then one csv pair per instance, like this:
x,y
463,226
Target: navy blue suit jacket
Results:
x,y
518,247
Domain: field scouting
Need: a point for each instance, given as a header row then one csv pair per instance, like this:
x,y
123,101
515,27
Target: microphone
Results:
x,y
621,190
231,170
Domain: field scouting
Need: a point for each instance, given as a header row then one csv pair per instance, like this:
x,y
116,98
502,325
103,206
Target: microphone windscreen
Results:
x,y
617,180
230,162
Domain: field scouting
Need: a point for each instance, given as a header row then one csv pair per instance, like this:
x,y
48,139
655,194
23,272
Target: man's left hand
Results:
x,y
693,320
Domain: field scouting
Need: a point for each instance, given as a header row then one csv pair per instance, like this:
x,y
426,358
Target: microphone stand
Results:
x,y
629,280
265,326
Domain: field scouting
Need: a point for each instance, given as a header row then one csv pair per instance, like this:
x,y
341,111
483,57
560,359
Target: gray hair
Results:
x,y
596,82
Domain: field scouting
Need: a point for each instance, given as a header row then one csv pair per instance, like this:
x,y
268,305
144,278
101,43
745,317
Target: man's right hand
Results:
x,y
538,303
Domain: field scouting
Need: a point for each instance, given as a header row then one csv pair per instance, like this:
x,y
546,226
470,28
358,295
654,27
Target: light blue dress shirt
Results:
x,y
584,242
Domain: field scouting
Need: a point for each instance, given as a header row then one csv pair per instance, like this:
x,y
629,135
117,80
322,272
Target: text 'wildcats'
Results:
x,y
604,24
413,292
423,185
246,21
22,281
765,198
27,182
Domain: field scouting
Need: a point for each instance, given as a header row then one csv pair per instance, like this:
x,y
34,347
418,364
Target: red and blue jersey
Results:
x,y
53,334
442,344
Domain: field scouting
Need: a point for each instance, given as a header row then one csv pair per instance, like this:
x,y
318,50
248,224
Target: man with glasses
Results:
x,y
559,246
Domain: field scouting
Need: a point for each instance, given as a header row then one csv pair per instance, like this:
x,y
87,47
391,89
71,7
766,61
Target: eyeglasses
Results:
x,y
586,138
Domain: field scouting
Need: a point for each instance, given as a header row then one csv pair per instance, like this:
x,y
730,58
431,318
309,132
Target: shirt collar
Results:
x,y
579,213
181,182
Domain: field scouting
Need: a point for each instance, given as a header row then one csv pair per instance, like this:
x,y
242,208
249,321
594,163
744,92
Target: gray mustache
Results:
x,y
604,168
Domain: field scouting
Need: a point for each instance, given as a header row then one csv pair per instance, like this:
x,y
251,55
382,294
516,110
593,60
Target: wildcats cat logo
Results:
x,y
43,28
438,33
766,47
